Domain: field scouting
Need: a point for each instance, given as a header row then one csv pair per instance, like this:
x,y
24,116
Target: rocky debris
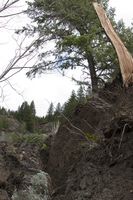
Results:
x,y
3,195
21,173
34,187
102,173
91,157
49,128
11,125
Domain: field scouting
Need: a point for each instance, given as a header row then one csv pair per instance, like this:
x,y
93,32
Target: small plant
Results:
x,y
91,137
44,147
36,139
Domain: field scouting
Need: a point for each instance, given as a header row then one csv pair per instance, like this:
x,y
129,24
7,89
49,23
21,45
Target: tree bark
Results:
x,y
125,58
94,80
91,64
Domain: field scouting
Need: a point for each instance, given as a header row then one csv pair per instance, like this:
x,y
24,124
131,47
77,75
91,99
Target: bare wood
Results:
x,y
125,58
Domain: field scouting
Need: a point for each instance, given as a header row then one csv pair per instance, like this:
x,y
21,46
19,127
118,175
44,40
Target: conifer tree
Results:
x,y
58,111
3,111
26,113
80,95
70,105
79,38
33,110
50,112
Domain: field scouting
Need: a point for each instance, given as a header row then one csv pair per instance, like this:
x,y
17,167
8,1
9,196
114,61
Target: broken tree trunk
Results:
x,y
125,58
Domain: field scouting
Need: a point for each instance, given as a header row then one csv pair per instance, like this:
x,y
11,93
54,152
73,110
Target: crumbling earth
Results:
x,y
91,156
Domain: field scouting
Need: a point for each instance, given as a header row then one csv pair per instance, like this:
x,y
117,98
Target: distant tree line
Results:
x,y
66,110
26,113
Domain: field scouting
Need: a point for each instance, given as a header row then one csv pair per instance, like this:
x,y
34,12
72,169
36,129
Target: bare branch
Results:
x,y
7,5
4,9
15,60
20,94
12,14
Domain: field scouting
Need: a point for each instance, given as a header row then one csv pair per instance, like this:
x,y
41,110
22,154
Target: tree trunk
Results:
x,y
94,80
91,65
125,58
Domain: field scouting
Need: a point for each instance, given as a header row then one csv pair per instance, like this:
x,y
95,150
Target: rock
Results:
x,y
49,128
3,195
4,171
11,124
22,178
34,187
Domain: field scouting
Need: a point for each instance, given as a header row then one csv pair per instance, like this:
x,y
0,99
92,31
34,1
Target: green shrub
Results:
x,y
37,139
4,124
90,136
44,147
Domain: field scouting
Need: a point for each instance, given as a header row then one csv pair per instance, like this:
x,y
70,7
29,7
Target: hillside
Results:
x,y
90,157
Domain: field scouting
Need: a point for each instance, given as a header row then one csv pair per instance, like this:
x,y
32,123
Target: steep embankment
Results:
x,y
91,157
21,175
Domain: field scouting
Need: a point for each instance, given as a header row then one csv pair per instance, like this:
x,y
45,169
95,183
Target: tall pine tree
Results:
x,y
58,111
26,113
50,113
70,105
80,95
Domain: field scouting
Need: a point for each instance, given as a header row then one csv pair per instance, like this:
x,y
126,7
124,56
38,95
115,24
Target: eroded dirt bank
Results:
x,y
91,157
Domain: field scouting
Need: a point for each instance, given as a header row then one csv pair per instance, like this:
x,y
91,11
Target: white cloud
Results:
x,y
124,10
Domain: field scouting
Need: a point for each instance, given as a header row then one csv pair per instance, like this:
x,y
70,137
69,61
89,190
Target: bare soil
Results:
x,y
91,157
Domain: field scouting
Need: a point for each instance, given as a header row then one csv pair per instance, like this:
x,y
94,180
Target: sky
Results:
x,y
124,10
46,88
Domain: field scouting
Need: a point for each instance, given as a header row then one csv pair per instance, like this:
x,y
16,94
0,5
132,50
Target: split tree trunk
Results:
x,y
125,58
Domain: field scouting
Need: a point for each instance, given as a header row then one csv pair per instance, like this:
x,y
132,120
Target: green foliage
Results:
x,y
70,105
4,123
68,108
126,34
80,41
57,112
81,97
3,111
32,108
75,28
36,139
53,114
50,110
91,137
50,113
26,113
44,147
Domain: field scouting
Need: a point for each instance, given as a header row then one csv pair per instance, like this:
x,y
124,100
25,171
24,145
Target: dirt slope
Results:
x,y
89,158
95,162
